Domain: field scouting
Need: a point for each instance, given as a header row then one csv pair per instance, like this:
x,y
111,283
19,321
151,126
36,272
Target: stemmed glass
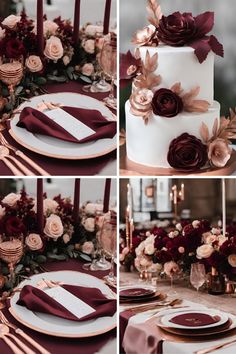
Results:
x,y
108,242
100,263
108,62
197,275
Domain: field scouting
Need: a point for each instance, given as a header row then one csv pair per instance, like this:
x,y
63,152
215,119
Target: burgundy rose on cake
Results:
x,y
179,29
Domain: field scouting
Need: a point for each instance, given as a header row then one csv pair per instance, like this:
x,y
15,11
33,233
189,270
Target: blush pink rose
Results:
x,y
34,242
11,21
54,49
34,63
89,46
87,69
88,247
53,227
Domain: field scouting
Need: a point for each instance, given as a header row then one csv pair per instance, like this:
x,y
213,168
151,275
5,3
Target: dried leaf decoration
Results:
x,y
154,12
204,132
193,105
148,79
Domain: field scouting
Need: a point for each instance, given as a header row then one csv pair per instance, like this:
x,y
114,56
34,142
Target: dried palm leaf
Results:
x,y
154,12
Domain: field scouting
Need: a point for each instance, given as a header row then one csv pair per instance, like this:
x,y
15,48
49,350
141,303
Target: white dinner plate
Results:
x,y
166,319
57,148
56,326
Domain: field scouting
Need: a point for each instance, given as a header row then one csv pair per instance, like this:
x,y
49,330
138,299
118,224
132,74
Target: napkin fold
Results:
x,y
37,122
141,338
37,300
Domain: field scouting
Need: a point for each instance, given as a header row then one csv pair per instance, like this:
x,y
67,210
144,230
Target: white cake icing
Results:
x,y
149,144
180,64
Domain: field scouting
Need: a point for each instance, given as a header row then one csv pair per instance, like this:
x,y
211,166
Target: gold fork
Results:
x,y
19,153
19,331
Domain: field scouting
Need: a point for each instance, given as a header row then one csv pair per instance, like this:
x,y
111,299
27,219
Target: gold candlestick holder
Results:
x,y
176,197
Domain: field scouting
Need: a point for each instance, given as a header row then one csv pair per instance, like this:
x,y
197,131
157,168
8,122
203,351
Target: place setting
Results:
x,y
177,282
53,120
47,294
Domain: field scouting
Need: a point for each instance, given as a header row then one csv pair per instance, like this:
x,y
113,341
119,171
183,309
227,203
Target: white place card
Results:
x,y
73,304
72,125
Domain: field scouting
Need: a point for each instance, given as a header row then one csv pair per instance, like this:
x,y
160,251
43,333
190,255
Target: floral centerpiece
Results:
x,y
62,59
61,239
174,251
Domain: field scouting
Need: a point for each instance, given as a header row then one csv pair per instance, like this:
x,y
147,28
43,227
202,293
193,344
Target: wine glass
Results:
x,y
108,62
197,275
108,242
100,263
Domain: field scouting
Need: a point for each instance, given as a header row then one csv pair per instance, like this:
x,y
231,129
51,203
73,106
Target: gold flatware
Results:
x,y
19,331
215,347
155,305
4,330
11,167
19,153
4,152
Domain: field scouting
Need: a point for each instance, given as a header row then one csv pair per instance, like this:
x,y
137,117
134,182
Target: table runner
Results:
x,y
169,346
58,345
60,167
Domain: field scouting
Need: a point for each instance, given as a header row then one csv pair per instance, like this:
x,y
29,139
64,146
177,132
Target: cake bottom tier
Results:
x,y
149,144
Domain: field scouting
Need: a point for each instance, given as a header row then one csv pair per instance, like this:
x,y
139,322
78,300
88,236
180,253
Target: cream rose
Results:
x,y
92,208
34,242
66,238
53,227
181,250
210,239
49,27
179,227
149,249
49,205
66,60
92,30
2,33
34,63
232,260
222,239
171,268
11,199
204,251
11,21
144,262
88,247
2,212
89,224
89,46
195,224
173,234
53,49
87,69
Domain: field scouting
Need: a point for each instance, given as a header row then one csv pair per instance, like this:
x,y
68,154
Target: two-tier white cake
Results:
x,y
149,140
148,144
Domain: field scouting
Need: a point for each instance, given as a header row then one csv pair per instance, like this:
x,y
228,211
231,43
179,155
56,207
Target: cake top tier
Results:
x,y
178,30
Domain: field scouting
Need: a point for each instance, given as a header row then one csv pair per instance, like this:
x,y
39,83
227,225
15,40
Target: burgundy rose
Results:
x,y
166,103
14,226
14,48
187,153
177,29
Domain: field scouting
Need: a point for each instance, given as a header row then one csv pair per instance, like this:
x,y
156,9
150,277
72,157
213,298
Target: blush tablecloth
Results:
x,y
63,345
183,291
61,167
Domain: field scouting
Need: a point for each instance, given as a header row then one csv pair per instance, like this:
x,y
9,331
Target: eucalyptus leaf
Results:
x,y
18,90
41,259
4,270
19,268
40,80
85,257
85,79
8,107
57,78
58,257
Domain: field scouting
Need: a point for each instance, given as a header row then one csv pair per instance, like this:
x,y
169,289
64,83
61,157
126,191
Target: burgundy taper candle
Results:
x,y
76,200
76,21
40,217
106,22
106,199
40,36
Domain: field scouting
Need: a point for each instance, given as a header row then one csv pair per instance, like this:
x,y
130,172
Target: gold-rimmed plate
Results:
x,y
56,148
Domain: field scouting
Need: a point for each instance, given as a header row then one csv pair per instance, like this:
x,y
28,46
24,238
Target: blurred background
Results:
x,y
91,10
133,16
202,198
91,189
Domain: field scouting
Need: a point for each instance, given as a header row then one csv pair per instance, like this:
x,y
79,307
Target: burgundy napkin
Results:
x,y
194,319
136,292
37,300
38,123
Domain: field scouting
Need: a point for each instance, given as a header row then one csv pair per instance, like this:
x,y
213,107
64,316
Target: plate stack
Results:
x,y
138,294
194,322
